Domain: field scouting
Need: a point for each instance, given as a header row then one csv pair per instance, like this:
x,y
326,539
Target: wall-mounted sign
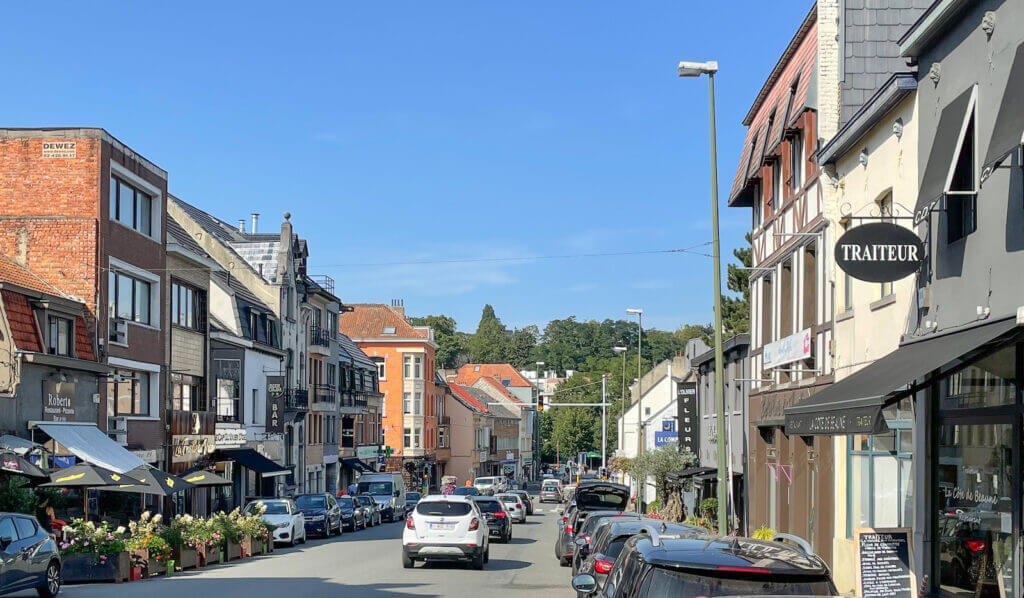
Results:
x,y
275,405
879,252
688,420
60,149
226,437
366,452
787,350
663,438
189,447
58,401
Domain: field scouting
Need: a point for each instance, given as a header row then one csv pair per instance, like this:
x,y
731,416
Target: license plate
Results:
x,y
442,526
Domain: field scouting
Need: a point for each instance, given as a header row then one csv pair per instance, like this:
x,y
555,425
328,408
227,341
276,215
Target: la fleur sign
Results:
x,y
879,252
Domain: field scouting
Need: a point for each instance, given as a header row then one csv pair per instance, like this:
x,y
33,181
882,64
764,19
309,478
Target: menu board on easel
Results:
x,y
884,563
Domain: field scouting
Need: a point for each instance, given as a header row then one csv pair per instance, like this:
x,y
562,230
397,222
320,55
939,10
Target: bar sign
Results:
x,y
60,149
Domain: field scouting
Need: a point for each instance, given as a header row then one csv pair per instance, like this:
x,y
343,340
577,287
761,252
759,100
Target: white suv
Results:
x,y
445,528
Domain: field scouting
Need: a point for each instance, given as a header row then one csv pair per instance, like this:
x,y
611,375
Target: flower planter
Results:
x,y
87,567
150,566
186,558
246,545
233,550
210,555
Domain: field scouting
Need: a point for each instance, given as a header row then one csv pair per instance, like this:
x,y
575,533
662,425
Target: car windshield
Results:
x,y
597,499
509,500
466,491
379,488
550,486
412,496
345,502
276,507
443,508
663,583
484,481
311,502
489,506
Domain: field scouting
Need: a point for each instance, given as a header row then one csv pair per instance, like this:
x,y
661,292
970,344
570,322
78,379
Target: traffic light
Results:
x,y
540,403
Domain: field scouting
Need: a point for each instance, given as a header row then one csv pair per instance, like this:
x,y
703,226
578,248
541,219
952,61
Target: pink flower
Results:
x,y
110,537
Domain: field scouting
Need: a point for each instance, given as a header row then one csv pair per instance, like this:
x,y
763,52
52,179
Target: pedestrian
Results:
x,y
353,489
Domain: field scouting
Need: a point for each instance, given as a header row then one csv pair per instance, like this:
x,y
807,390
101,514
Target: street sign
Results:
x,y
663,438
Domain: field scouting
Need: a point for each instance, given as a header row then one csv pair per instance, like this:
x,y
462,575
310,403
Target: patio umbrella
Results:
x,y
151,481
200,477
16,464
86,476
19,445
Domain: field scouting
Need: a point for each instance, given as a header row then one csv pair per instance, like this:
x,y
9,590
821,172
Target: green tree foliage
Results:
x,y
524,341
736,310
452,345
572,431
491,342
657,464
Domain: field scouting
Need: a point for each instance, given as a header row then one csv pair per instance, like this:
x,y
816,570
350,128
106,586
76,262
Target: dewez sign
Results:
x,y
879,252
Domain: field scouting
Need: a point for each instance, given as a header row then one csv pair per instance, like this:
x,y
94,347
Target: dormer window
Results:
x,y
60,336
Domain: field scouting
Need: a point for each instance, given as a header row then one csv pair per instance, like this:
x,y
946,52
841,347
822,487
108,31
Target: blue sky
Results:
x,y
422,131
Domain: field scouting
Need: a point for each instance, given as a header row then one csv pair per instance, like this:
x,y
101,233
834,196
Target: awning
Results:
x,y
253,461
678,476
940,157
91,445
1009,130
357,465
854,404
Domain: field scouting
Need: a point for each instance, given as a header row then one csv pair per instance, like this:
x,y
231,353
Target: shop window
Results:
x,y
989,381
60,335
880,479
962,194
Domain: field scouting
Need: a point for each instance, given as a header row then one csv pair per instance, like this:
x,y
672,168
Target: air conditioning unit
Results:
x,y
117,429
119,331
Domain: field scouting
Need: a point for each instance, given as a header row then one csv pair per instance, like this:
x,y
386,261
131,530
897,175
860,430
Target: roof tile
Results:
x,y
469,373
368,320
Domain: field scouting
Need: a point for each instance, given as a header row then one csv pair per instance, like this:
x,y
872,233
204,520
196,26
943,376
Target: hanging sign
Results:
x,y
879,252
688,435
794,347
275,405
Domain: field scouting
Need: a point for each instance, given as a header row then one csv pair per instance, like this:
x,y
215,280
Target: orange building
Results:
x,y
404,355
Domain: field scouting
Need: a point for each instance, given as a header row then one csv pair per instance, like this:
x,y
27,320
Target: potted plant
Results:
x,y
187,538
94,552
147,545
228,525
255,530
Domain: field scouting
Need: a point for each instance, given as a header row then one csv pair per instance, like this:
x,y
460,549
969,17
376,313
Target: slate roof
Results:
x,y
368,320
463,395
181,237
239,289
469,373
355,352
498,387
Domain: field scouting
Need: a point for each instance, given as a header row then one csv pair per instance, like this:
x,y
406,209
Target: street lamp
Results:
x,y
696,69
538,445
622,349
639,313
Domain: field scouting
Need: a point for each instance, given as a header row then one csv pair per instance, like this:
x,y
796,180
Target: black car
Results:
x,y
583,530
591,496
466,491
610,535
411,498
321,513
352,514
562,541
28,557
499,524
371,509
653,564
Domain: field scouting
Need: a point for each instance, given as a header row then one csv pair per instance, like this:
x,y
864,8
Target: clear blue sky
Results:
x,y
418,131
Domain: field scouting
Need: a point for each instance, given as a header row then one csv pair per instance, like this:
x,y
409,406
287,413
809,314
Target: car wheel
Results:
x,y
478,562
563,561
406,561
487,555
294,538
51,585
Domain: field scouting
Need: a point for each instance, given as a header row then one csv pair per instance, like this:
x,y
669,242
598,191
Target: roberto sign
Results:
x,y
879,252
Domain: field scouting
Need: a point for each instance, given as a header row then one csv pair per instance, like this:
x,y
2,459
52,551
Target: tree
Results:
x,y
523,343
490,343
573,430
736,310
451,344
657,464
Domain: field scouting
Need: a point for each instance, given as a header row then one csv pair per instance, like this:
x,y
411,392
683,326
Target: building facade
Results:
x,y
471,432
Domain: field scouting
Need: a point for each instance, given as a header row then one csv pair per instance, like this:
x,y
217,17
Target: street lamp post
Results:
x,y
696,69
538,445
639,313
604,423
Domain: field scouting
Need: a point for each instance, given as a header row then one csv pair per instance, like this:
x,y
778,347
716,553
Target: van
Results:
x,y
388,490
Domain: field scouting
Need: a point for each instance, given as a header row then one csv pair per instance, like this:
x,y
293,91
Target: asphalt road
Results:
x,y
366,564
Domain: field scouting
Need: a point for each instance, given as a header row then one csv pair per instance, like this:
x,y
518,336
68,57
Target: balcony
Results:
x,y
296,399
325,393
325,282
319,337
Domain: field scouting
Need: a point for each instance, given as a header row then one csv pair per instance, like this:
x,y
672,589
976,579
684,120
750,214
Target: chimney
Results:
x,y
255,222
399,306
241,225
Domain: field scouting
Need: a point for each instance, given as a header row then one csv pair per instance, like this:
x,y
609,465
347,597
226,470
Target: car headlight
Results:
x,y
282,525
315,518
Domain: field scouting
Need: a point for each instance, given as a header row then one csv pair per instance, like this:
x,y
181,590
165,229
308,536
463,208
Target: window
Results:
x,y
962,195
7,528
130,206
796,161
128,298
442,436
810,290
412,367
332,324
228,400
332,375
380,361
407,402
389,330
880,479
187,393
26,528
129,391
417,403
60,332
188,307
407,438
757,217
885,212
776,200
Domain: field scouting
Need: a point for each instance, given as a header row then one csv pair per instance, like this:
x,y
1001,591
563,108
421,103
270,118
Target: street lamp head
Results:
x,y
696,69
634,311
619,349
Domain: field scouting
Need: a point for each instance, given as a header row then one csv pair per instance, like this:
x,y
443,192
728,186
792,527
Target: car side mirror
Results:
x,y
6,541
584,583
581,542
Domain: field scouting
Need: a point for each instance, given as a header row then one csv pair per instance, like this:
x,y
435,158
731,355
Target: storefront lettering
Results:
x,y
879,252
58,401
189,447
957,493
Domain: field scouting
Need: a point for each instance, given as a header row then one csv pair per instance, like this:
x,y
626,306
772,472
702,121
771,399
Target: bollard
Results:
x,y
170,568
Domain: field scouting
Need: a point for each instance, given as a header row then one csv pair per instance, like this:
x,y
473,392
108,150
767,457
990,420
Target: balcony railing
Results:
x,y
319,336
296,399
324,281
323,393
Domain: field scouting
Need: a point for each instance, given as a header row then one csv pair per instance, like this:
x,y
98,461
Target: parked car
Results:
x,y
28,557
514,506
411,498
551,491
589,497
568,491
388,490
583,527
651,564
353,514
527,500
499,524
372,511
285,516
490,485
321,513
466,491
446,528
609,534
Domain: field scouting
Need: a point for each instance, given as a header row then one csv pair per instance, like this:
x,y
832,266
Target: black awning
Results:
x,y
356,465
1009,130
254,461
677,476
854,404
941,154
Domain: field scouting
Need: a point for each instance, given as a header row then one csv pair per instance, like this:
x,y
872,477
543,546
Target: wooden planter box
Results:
x,y
86,568
246,546
210,555
150,566
185,558
233,550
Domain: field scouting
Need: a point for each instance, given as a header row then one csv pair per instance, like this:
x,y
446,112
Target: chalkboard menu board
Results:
x,y
883,563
